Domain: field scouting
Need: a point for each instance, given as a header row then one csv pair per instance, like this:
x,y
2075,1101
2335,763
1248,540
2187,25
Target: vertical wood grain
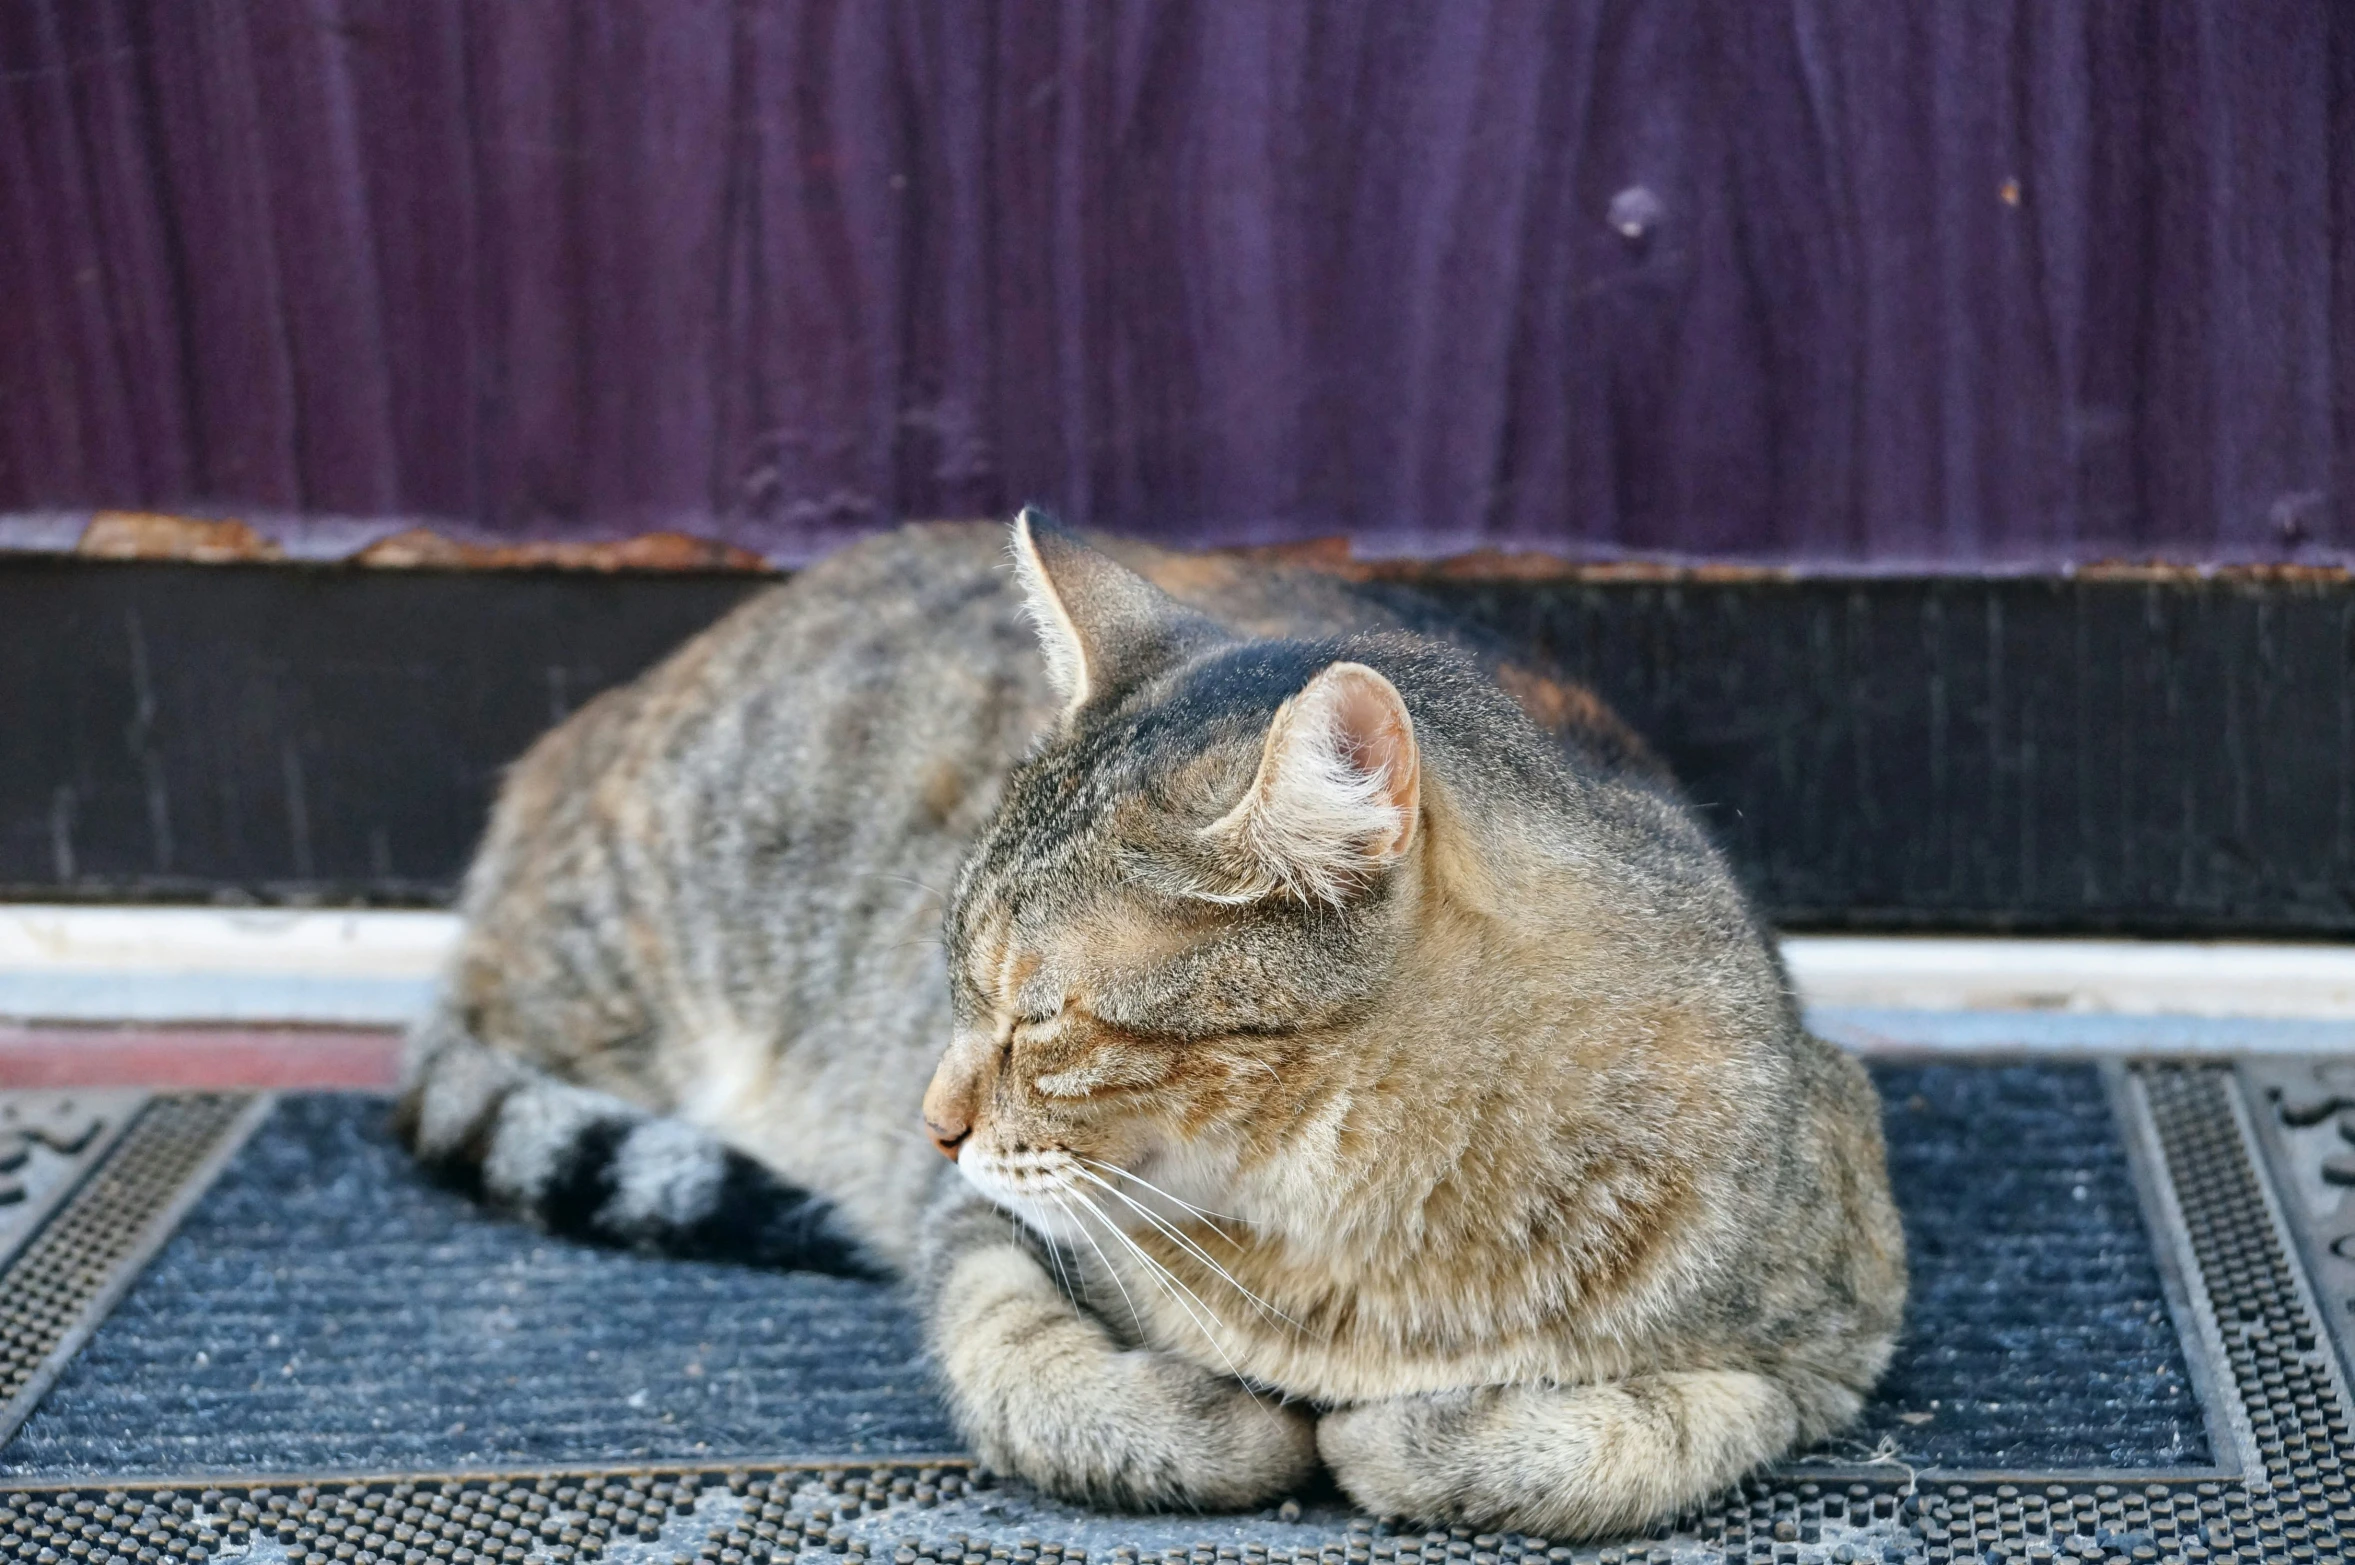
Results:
x,y
2005,284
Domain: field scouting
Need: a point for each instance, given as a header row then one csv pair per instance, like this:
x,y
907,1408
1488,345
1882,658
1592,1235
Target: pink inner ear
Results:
x,y
1368,730
1338,794
1374,732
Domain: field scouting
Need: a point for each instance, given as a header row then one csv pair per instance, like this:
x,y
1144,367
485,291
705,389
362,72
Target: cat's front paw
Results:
x,y
1371,1453
1041,1390
1150,1431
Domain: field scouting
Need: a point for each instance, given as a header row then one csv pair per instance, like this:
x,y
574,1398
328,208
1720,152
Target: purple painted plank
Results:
x,y
530,175
74,206
65,372
197,64
652,140
40,448
1824,281
946,208
307,115
2331,524
825,290
2268,351
1032,218
136,255
407,61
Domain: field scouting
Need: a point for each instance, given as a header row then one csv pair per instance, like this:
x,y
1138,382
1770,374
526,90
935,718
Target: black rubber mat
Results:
x,y
324,1310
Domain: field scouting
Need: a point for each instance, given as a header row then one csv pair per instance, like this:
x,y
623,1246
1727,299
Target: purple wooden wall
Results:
x,y
2005,282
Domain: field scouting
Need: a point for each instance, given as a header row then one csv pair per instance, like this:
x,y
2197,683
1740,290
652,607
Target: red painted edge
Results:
x,y
202,1058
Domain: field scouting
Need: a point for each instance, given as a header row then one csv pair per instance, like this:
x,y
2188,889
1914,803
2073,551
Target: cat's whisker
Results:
x,y
1055,1257
1161,1276
1163,1225
1110,1270
1158,1274
1225,1276
1167,1279
1202,1212
905,880
1174,1233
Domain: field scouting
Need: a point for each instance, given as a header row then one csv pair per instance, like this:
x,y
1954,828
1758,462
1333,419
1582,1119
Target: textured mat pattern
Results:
x,y
2037,1336
323,1310
323,1307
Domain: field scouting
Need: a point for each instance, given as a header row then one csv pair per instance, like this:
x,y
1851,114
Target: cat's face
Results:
x,y
1185,899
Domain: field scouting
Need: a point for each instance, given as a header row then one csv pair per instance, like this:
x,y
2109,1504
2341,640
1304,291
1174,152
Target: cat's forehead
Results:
x,y
1068,811
1018,949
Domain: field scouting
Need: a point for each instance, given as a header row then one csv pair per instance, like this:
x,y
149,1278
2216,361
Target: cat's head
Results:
x,y
1194,888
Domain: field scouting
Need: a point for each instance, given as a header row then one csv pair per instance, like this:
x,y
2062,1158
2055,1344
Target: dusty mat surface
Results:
x,y
325,1309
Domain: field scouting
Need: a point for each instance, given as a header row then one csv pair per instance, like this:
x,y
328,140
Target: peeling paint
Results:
x,y
422,548
152,535
158,536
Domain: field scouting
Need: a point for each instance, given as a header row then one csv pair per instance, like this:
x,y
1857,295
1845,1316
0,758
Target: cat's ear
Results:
x,y
1101,626
1338,795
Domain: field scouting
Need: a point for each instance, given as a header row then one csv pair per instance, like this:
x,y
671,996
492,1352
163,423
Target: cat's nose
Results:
x,y
959,1088
949,1139
960,1085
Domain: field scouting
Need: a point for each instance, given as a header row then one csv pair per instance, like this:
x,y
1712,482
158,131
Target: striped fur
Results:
x,y
588,1165
1350,1046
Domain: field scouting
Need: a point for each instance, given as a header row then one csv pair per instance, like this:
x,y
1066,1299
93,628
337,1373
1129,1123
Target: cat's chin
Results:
x,y
1050,1212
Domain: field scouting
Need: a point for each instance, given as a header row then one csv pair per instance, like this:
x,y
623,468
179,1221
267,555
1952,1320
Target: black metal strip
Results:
x,y
1945,753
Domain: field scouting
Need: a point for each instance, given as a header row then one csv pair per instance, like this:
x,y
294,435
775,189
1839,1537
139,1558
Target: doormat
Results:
x,y
2125,1335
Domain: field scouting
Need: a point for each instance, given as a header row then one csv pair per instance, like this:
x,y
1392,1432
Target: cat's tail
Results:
x,y
588,1165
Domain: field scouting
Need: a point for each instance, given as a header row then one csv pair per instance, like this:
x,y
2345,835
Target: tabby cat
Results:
x,y
1347,1043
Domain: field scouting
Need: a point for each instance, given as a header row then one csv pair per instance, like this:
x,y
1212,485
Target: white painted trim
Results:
x,y
339,943
93,963
1883,1032
2085,977
343,968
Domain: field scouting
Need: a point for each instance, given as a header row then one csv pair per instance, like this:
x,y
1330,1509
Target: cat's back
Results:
x,y
824,687
904,657
761,826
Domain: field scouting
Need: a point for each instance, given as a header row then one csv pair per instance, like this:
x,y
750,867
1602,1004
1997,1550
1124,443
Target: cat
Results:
x,y
1345,1045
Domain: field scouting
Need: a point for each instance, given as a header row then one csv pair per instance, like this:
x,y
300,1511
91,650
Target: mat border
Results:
x,y
2181,1282
123,1104
158,1224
